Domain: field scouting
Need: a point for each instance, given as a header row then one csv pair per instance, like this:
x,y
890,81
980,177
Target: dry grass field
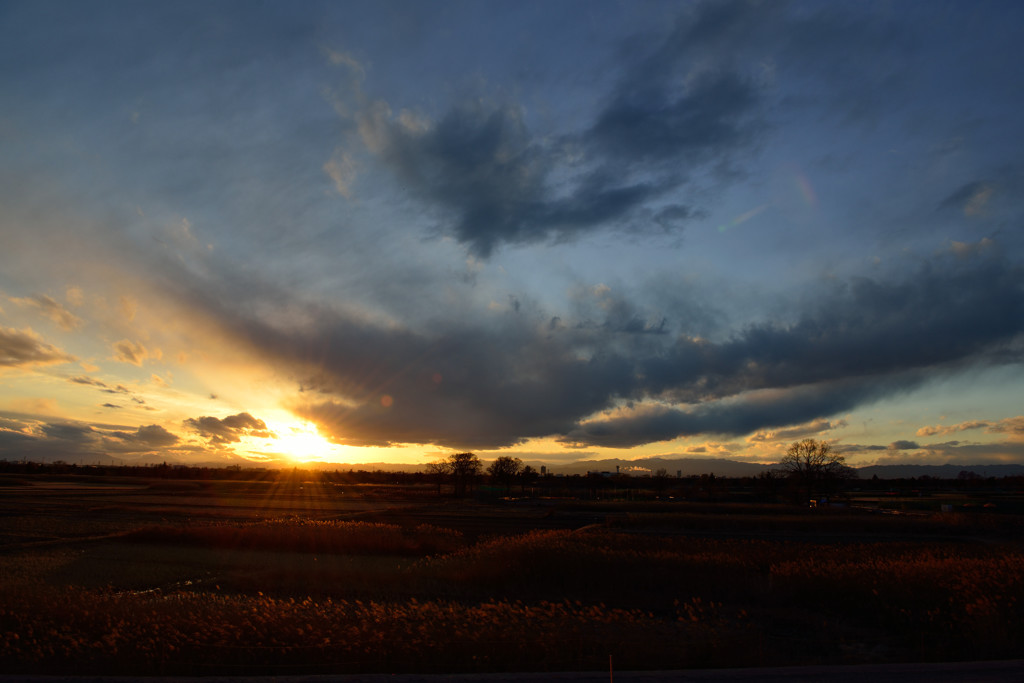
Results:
x,y
198,578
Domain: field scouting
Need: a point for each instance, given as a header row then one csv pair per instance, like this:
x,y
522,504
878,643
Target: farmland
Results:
x,y
134,575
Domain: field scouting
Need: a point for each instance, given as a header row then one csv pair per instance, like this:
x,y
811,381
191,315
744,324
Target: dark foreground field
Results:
x,y
132,577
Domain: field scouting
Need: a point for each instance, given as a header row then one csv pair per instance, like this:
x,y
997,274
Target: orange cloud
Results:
x,y
24,348
945,430
135,353
1014,426
798,432
52,309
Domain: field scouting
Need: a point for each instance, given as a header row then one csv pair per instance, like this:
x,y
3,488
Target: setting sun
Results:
x,y
299,441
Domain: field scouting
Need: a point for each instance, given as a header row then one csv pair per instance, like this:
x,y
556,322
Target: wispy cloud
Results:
x,y
128,351
52,309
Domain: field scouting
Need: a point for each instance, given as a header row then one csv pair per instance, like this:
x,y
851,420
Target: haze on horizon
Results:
x,y
381,232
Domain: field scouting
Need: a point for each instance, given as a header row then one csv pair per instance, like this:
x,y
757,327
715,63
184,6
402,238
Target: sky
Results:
x,y
355,232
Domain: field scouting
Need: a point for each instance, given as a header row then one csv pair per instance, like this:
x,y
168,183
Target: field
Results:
x,y
134,576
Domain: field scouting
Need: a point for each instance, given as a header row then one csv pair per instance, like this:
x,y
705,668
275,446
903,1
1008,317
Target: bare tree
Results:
x,y
464,469
504,471
438,471
815,466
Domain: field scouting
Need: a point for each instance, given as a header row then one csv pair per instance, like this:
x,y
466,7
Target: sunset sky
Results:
x,y
380,231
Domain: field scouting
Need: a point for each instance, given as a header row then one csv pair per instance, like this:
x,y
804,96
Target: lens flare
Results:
x,y
743,218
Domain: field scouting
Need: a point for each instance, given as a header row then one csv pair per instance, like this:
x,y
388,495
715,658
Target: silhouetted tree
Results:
x,y
464,469
815,466
659,480
527,477
504,471
437,472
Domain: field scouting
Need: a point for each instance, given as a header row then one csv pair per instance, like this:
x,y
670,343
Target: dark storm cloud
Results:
x,y
481,164
227,430
504,183
864,327
477,161
690,107
864,341
497,381
730,417
25,349
648,125
460,386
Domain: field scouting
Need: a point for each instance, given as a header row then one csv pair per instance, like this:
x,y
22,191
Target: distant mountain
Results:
x,y
722,467
938,471
685,467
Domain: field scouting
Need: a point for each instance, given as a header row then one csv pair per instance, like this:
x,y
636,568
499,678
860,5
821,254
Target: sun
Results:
x,y
299,441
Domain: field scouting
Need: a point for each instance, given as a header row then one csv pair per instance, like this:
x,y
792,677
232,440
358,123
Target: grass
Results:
x,y
658,587
298,535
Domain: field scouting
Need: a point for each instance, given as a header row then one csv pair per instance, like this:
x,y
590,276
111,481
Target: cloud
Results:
x,y
615,373
904,445
107,389
464,387
75,296
477,162
731,416
148,437
499,182
944,313
675,215
135,353
971,198
52,309
88,381
945,430
1014,426
646,123
338,58
967,249
26,349
818,426
955,453
684,111
864,340
230,429
342,169
23,436
68,431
